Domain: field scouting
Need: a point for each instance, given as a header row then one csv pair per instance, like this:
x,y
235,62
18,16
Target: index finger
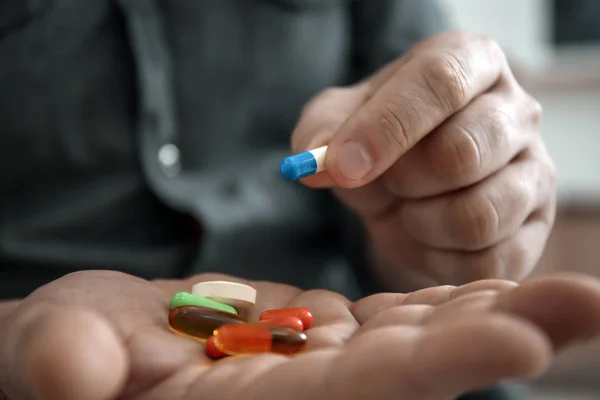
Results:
x,y
439,81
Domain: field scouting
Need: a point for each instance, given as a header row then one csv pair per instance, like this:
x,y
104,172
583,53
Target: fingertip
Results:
x,y
565,306
481,352
73,355
590,284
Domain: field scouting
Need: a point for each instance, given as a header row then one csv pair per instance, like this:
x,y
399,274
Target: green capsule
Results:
x,y
188,299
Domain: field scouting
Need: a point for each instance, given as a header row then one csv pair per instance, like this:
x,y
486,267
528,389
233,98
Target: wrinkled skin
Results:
x,y
440,154
103,335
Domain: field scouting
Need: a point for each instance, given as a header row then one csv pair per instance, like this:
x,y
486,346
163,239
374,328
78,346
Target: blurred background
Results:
x,y
554,48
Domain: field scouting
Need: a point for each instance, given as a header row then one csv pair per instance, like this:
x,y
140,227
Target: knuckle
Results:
x,y
498,123
456,38
519,192
447,79
393,125
456,157
463,36
467,147
492,45
493,49
522,194
476,222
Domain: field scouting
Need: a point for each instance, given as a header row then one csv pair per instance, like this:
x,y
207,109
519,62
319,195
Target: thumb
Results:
x,y
51,352
320,119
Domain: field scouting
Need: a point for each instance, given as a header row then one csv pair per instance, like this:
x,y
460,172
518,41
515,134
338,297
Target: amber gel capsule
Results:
x,y
200,322
258,338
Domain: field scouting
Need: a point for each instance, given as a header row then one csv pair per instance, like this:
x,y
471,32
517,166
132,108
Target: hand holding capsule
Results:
x,y
440,155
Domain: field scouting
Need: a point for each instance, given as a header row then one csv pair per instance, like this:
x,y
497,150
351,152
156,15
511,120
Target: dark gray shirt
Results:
x,y
124,122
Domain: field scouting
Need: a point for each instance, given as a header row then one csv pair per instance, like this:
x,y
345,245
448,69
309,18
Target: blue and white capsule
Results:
x,y
303,164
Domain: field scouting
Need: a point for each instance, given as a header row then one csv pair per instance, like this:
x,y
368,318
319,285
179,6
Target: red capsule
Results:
x,y
258,338
288,320
303,313
212,350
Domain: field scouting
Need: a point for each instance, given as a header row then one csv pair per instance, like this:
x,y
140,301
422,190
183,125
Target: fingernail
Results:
x,y
353,161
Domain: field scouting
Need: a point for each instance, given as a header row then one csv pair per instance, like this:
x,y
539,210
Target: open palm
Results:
x,y
104,335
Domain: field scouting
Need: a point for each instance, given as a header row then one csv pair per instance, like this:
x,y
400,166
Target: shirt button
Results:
x,y
169,159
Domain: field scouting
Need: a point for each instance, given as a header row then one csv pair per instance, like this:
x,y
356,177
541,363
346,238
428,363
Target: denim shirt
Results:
x,y
145,136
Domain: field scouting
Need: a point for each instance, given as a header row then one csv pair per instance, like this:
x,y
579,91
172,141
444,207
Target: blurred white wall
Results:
x,y
571,125
571,128
520,26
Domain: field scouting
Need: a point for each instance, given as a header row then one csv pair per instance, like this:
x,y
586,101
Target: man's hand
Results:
x,y
104,335
440,154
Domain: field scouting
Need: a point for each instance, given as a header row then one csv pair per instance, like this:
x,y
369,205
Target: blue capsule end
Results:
x,y
298,166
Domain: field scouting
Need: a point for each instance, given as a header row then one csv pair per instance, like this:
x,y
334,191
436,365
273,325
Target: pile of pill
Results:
x,y
210,314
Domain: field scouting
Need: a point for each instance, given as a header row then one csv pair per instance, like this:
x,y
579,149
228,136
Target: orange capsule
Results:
x,y
258,338
286,320
303,313
212,350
